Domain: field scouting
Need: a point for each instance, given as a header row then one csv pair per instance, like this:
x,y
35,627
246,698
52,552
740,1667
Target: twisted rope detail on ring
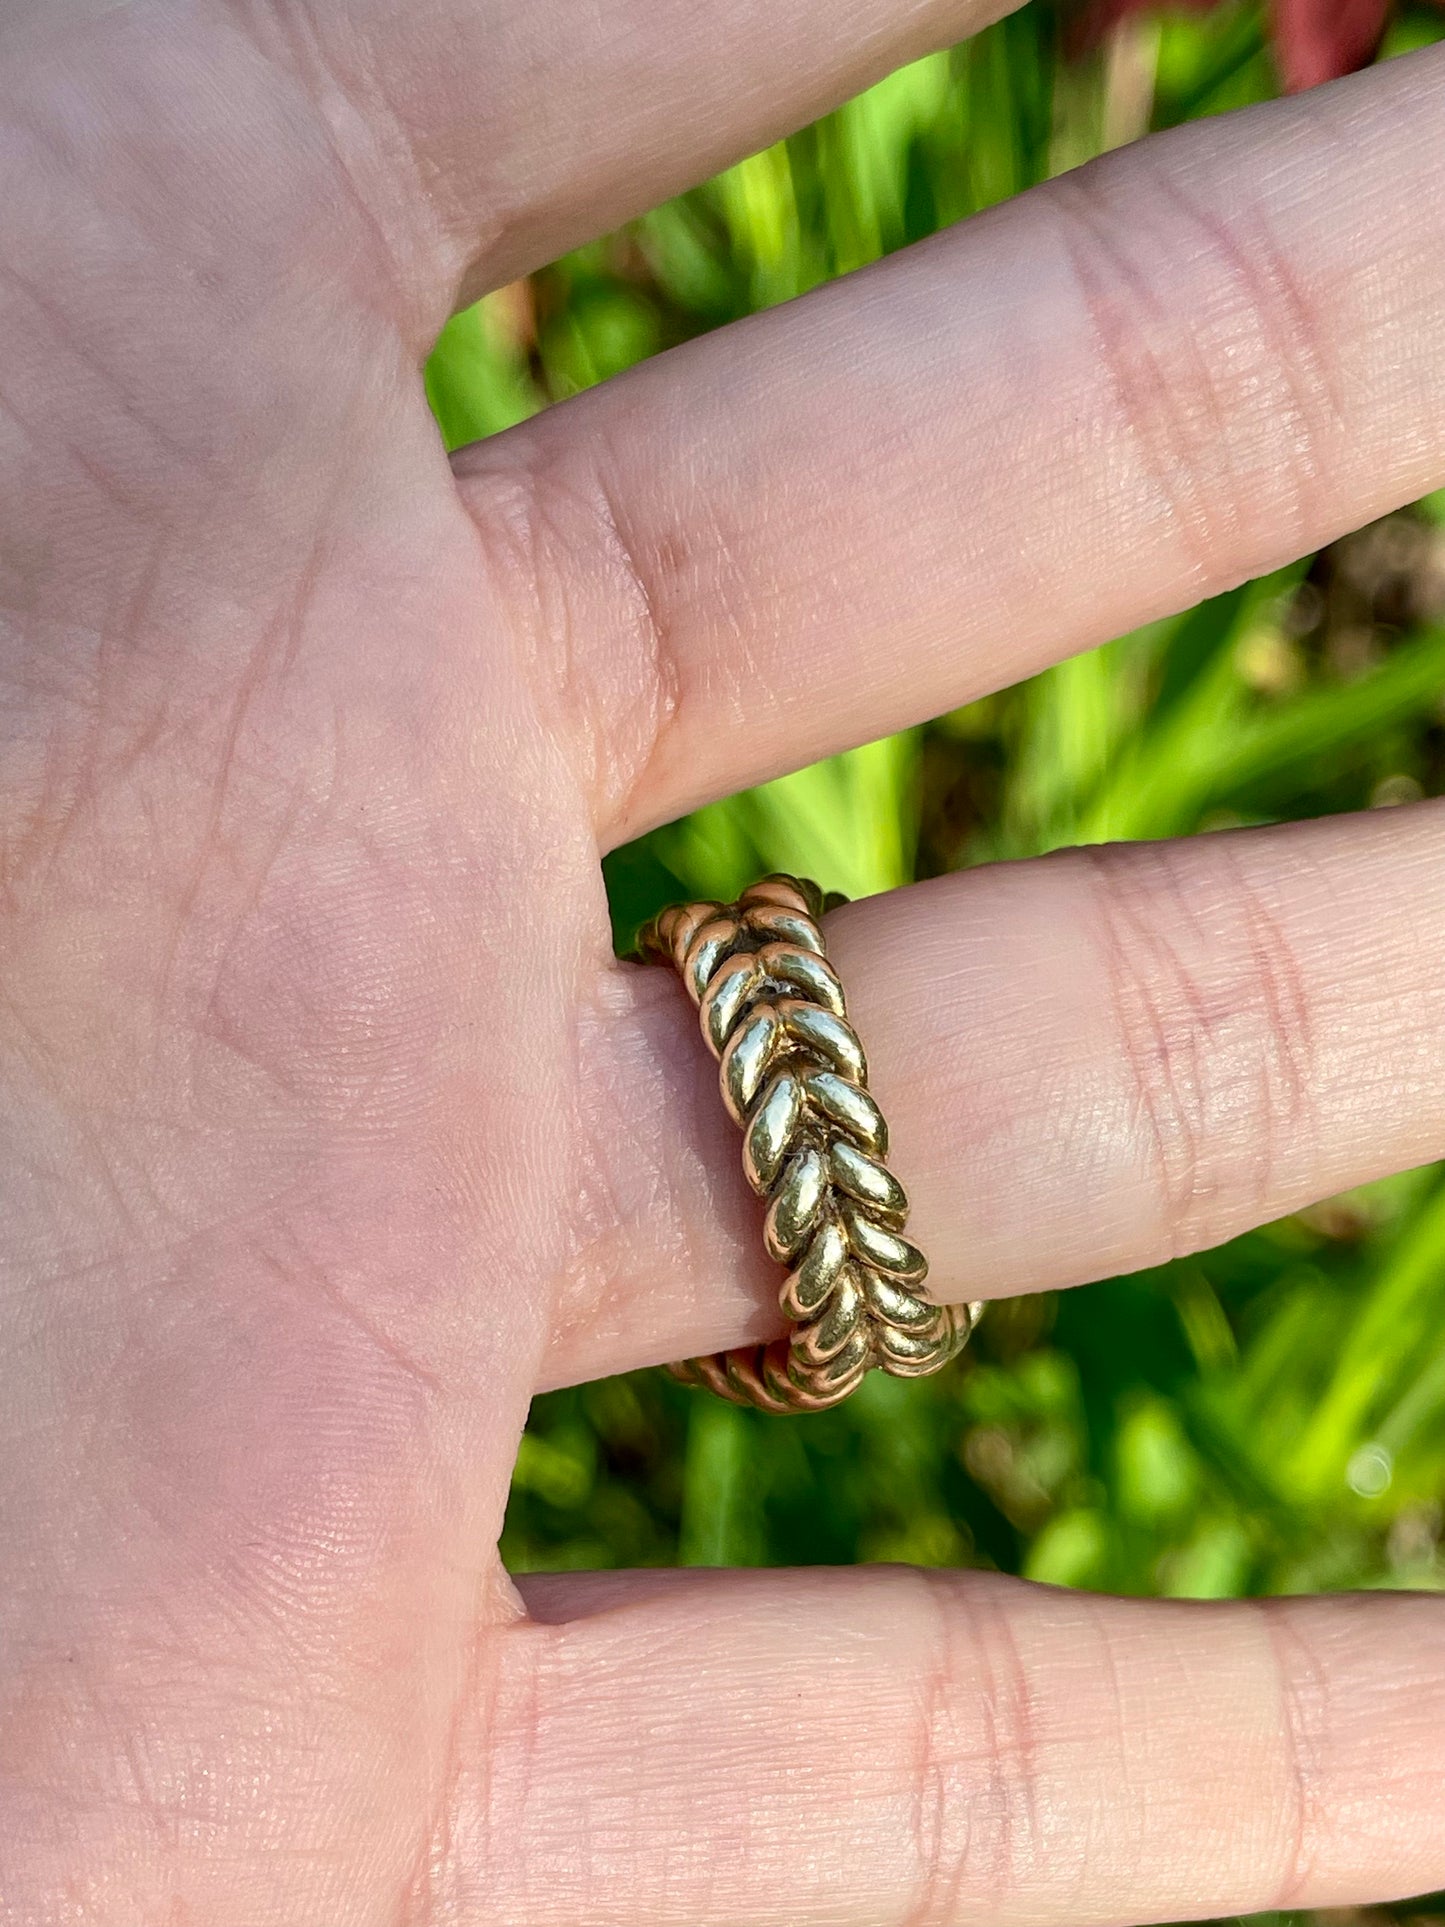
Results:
x,y
793,1075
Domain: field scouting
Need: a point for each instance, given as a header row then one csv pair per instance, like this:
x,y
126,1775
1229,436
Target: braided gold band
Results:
x,y
793,1075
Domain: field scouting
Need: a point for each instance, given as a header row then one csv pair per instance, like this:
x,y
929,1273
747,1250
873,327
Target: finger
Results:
x,y
1147,381
887,1747
534,128
1089,1063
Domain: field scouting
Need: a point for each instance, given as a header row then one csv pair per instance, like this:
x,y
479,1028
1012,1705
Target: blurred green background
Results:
x,y
1266,1417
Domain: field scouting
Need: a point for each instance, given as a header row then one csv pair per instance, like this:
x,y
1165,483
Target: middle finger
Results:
x,y
1153,378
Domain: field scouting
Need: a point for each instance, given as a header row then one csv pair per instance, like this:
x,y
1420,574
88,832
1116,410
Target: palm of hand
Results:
x,y
304,921
329,1124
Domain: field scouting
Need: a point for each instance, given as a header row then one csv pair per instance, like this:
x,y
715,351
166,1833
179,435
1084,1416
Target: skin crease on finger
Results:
x,y
302,928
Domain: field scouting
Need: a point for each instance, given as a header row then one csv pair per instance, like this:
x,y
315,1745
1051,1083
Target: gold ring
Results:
x,y
794,1077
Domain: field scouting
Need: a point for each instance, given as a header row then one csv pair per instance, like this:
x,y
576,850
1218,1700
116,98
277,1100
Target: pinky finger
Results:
x,y
888,1748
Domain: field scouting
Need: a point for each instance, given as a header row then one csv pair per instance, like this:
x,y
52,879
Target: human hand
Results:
x,y
332,1131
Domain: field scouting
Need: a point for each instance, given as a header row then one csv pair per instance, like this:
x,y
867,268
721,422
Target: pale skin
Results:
x,y
332,1132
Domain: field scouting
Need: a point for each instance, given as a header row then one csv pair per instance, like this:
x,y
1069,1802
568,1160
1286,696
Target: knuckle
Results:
x,y
976,1771
1306,1719
1214,1032
1214,348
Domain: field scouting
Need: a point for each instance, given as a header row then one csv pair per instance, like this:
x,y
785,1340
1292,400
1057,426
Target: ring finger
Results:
x,y
1090,1062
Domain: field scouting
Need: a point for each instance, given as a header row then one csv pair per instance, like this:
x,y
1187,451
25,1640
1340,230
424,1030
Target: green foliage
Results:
x,y
1267,1416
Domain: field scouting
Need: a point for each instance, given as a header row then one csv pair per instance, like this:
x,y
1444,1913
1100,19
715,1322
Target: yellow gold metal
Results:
x,y
794,1077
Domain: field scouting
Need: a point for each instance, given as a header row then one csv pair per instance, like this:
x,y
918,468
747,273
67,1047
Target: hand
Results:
x,y
332,1131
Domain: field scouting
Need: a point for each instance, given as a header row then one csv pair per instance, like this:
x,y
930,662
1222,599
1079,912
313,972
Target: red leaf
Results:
x,y
1321,39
